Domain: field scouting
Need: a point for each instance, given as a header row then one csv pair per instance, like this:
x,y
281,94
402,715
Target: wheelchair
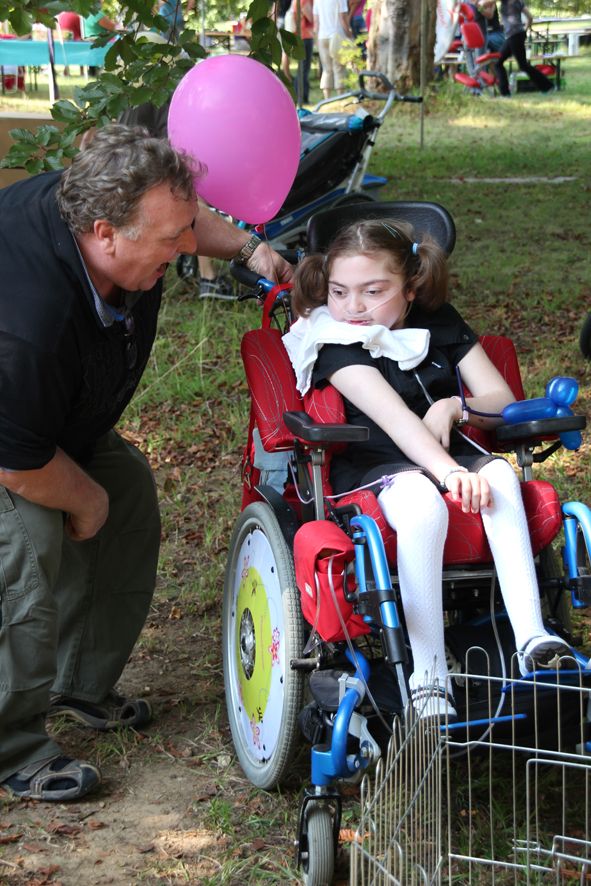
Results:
x,y
312,630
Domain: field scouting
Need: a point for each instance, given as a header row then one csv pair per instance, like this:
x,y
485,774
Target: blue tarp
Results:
x,y
35,53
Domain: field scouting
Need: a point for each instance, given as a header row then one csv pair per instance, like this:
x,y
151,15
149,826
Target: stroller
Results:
x,y
313,634
335,152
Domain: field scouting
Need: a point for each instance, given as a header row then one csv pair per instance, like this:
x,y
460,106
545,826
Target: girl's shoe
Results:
x,y
433,701
545,652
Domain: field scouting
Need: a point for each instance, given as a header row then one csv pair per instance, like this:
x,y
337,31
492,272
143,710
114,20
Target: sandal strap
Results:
x,y
114,712
41,774
422,693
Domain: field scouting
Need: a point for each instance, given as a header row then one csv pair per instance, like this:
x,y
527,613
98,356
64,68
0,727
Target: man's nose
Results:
x,y
187,243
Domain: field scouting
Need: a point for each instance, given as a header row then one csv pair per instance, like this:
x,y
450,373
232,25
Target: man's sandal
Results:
x,y
54,779
115,712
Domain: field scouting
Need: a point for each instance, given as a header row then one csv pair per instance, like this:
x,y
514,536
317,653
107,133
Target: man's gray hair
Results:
x,y
109,177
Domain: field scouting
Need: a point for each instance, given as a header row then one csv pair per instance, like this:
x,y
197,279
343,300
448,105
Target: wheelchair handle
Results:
x,y
250,278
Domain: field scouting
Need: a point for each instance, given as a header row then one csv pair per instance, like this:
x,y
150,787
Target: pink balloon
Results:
x,y
235,116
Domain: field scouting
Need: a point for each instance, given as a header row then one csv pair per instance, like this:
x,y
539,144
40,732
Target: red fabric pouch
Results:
x,y
322,552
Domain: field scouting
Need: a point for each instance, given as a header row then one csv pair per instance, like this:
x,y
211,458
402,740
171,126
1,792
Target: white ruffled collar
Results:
x,y
408,347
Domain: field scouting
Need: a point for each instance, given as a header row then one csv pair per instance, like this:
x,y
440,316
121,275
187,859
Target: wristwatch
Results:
x,y
247,250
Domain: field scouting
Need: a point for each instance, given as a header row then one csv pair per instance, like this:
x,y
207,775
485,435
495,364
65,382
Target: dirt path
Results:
x,y
173,806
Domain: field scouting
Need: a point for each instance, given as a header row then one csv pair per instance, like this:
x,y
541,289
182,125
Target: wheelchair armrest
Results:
x,y
540,429
300,424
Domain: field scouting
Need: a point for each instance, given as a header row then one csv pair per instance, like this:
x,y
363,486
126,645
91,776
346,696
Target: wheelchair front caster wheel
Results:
x,y
318,859
262,632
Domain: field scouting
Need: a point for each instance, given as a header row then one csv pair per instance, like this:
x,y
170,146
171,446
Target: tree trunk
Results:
x,y
394,45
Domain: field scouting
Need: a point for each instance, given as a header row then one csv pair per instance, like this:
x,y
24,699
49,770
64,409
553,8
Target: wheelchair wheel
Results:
x,y
262,631
318,864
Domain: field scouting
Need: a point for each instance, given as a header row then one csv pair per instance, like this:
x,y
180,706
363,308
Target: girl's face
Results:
x,y
363,290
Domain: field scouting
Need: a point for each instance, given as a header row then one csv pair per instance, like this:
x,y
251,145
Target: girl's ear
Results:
x,y
410,295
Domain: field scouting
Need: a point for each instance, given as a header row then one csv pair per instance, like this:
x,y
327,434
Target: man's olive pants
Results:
x,y
71,612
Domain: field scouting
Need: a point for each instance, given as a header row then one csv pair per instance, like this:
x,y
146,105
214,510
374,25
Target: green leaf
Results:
x,y
292,44
258,9
20,20
34,167
48,135
65,111
23,135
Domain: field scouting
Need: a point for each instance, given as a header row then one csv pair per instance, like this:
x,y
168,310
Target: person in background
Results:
x,y
494,29
515,31
172,11
357,22
299,19
331,27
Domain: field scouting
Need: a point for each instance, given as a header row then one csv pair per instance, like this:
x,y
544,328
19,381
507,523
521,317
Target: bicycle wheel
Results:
x,y
262,631
318,863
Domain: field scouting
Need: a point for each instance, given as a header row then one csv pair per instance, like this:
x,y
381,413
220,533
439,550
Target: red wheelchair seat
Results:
x,y
272,385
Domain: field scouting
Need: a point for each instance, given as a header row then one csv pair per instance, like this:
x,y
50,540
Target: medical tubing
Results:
x,y
469,408
352,651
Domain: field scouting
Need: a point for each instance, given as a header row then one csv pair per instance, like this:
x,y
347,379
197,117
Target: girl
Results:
x,y
376,275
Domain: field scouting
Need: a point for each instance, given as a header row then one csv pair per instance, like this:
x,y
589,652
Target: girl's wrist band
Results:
x,y
465,414
453,471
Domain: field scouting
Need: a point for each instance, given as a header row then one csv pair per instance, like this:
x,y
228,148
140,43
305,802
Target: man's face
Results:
x,y
161,230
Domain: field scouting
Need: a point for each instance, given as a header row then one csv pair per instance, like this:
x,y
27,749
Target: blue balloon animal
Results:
x,y
561,393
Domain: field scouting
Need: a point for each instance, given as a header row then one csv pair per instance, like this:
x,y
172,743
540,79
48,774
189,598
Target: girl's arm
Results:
x,y
491,393
367,389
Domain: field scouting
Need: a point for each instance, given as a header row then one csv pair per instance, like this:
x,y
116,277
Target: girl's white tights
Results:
x,y
414,508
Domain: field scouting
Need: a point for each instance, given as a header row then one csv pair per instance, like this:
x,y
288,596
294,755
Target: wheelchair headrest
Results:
x,y
425,217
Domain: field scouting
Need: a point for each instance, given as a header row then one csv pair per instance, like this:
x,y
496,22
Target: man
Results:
x,y
83,254
331,27
512,13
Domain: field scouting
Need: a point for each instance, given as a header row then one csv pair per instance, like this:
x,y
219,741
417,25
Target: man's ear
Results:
x,y
105,234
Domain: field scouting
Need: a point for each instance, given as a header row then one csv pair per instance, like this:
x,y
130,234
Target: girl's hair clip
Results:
x,y
415,248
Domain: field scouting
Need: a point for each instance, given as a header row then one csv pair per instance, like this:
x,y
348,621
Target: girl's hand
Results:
x,y
471,489
440,417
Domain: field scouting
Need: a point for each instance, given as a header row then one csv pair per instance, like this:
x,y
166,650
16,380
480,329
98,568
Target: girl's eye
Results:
x,y
337,293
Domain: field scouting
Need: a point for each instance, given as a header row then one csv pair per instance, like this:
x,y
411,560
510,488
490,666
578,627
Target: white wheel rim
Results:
x,y
256,650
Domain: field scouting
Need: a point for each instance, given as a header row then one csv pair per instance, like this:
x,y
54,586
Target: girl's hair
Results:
x,y
423,265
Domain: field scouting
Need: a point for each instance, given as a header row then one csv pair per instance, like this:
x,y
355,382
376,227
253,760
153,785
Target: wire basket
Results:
x,y
503,800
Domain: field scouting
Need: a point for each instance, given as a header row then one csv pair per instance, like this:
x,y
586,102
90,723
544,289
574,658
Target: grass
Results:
x,y
521,266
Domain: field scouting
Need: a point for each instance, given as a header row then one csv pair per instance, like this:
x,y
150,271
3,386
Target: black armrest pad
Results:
x,y
300,424
545,427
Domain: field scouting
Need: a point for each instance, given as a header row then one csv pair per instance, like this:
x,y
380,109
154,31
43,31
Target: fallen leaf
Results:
x,y
9,838
63,829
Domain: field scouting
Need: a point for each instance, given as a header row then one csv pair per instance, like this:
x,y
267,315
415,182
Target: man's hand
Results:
x,y
270,264
62,485
87,521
